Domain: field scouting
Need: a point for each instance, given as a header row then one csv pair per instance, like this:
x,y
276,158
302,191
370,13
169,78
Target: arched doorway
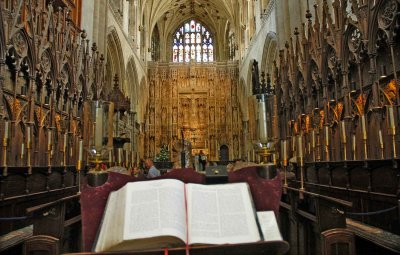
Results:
x,y
224,153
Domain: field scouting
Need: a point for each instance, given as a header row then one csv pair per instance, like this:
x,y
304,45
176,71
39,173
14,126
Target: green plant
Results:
x,y
163,155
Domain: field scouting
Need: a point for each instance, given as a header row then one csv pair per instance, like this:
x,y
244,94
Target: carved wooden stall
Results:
x,y
47,70
338,90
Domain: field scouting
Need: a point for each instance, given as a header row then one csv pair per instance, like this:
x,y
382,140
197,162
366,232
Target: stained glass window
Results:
x,y
192,42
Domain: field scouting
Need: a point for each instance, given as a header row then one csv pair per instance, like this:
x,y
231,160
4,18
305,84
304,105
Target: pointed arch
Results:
x,y
132,84
2,38
115,59
269,52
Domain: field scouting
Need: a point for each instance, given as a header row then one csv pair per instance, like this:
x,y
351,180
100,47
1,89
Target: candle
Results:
x,y
6,130
22,150
293,143
354,142
119,156
28,133
300,143
80,150
98,133
49,139
262,122
391,117
65,141
284,150
313,138
380,137
343,126
363,127
326,135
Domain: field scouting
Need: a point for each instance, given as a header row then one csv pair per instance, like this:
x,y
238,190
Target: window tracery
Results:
x,y
192,43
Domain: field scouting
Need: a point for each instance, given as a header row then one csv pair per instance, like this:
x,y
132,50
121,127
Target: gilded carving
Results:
x,y
307,124
321,118
390,91
41,116
337,111
360,103
58,122
196,105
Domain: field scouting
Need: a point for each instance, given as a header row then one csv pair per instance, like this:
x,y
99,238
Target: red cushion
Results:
x,y
94,199
266,193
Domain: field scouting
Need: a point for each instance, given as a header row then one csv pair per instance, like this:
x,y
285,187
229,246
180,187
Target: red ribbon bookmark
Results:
x,y
187,224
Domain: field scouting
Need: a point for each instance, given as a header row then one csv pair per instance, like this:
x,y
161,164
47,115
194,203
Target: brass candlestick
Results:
x,y
353,147
22,153
301,164
327,158
313,144
5,138
49,156
364,136
49,147
28,154
318,147
284,162
79,165
4,152
392,129
28,146
344,139
78,170
64,149
381,144
293,143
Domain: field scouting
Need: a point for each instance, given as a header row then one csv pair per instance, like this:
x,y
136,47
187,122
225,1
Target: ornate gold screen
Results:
x,y
198,100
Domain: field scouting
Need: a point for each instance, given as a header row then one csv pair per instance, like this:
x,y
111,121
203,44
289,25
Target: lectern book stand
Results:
x,y
258,248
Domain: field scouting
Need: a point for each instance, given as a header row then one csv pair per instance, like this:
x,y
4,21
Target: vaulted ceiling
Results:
x,y
215,14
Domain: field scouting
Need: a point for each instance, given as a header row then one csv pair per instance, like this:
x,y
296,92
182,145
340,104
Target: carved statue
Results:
x,y
255,78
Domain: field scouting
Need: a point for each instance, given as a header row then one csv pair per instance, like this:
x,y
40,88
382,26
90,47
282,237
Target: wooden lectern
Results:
x,y
258,248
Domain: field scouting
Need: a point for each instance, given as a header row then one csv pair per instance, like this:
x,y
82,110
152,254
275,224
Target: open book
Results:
x,y
170,213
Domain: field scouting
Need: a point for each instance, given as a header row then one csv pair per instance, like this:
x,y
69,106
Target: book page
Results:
x,y
111,226
269,226
155,208
221,214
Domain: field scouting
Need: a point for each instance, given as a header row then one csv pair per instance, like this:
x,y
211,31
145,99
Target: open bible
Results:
x,y
169,213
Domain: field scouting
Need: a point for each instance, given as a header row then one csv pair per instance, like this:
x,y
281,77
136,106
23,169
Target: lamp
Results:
x,y
353,87
383,73
98,115
265,97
